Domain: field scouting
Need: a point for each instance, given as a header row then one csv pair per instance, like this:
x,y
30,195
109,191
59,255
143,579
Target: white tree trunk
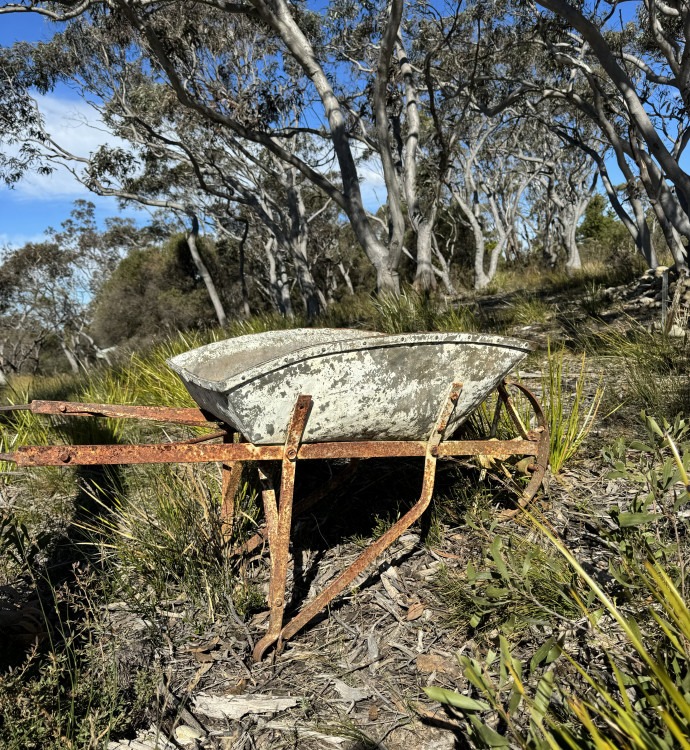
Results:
x,y
192,237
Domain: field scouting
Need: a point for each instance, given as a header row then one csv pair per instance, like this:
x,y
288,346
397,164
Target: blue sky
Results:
x,y
39,202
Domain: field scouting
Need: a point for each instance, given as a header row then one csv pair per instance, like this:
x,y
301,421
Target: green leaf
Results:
x,y
452,698
541,654
626,520
488,736
636,445
495,550
542,698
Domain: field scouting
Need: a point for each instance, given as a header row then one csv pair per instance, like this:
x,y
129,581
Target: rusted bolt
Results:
x,y
65,457
278,603
291,454
434,450
63,408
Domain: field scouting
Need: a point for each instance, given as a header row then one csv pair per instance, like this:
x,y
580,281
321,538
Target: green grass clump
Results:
x,y
527,310
410,312
654,368
571,415
636,696
63,680
262,323
71,698
164,538
413,311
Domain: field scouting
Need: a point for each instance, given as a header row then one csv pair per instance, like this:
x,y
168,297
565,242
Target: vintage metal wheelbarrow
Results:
x,y
308,394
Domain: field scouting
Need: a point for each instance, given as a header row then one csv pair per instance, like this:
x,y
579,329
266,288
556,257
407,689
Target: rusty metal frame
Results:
x,y
279,510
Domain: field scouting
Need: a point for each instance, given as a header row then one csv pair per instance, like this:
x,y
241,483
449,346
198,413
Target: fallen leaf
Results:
x,y
373,712
431,663
415,611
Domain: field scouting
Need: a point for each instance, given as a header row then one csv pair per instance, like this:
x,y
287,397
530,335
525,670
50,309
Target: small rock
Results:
x,y
186,735
677,331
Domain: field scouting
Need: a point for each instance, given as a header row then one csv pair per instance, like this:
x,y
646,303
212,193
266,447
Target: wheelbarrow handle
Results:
x,y
15,407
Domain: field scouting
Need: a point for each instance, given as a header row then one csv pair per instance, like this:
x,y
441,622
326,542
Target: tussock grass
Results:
x,y
528,310
411,312
162,532
262,323
654,368
571,415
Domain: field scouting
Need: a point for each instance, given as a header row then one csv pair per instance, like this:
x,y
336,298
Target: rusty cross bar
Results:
x,y
187,452
180,415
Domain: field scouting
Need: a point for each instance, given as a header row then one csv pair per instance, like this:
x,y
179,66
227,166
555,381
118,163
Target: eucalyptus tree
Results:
x,y
400,112
46,291
648,118
191,48
567,179
491,185
628,78
631,208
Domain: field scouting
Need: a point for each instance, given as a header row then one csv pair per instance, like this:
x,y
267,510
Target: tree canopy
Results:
x,y
264,123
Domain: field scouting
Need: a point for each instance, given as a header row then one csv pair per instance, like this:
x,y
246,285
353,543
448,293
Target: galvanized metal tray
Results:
x,y
364,386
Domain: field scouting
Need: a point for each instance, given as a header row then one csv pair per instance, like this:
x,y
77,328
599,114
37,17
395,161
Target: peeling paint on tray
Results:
x,y
364,386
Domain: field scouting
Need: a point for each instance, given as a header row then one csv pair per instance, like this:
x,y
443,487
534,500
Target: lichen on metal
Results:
x,y
365,386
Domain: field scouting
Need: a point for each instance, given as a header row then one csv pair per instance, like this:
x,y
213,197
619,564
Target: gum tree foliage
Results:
x,y
191,47
638,76
623,69
46,290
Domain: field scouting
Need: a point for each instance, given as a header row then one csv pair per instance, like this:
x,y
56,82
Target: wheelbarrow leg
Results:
x,y
383,542
278,524
231,476
542,437
510,406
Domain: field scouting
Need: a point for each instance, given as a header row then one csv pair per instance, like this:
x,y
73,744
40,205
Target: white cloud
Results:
x,y
372,184
76,127
18,239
